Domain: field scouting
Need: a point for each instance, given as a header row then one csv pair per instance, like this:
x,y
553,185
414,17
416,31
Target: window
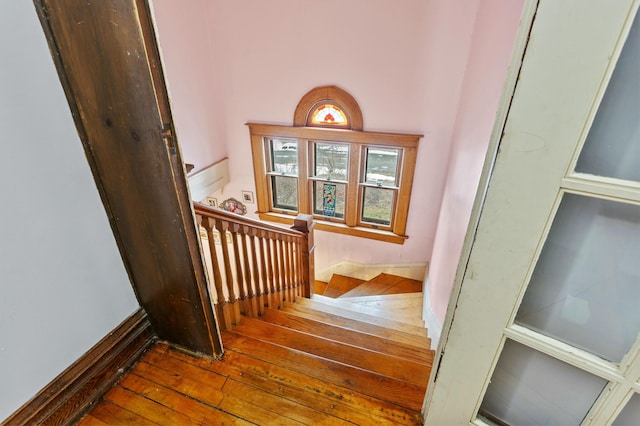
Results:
x,y
352,182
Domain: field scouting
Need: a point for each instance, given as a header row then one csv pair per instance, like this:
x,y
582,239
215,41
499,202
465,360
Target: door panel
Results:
x,y
612,147
543,325
584,290
530,388
630,414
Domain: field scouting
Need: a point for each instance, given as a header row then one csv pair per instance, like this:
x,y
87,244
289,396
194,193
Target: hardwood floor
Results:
x,y
318,361
168,387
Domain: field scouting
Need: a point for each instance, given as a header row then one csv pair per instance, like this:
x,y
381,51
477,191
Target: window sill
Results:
x,y
340,228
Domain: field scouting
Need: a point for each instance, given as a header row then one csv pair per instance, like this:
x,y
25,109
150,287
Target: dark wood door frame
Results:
x,y
106,55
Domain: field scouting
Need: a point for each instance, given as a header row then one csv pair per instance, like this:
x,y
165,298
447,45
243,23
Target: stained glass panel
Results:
x,y
329,114
328,199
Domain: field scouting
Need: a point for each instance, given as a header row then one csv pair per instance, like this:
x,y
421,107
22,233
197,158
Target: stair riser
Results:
x,y
400,393
386,365
367,328
367,341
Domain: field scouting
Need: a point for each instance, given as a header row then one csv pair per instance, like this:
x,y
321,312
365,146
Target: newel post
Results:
x,y
304,223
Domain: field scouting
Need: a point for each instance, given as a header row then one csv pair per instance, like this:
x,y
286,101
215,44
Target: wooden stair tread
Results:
x,y
390,297
401,394
405,307
349,336
360,313
319,287
385,284
383,364
407,311
340,284
407,285
364,327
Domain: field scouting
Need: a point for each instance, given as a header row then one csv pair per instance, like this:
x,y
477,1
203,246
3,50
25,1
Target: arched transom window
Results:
x,y
352,182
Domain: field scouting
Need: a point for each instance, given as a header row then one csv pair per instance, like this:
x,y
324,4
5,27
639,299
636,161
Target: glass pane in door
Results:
x,y
612,147
630,414
585,289
531,388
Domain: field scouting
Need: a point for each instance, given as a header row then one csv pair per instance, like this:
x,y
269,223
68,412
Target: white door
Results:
x,y
543,325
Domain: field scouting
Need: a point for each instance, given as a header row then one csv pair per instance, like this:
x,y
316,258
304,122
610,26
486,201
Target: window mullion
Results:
x,y
407,168
304,188
260,154
352,202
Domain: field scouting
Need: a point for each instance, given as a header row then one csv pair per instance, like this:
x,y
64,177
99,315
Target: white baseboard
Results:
x,y
416,271
431,322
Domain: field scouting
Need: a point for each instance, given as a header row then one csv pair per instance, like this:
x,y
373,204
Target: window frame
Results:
x,y
357,140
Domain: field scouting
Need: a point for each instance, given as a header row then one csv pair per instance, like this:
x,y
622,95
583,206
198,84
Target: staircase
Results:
x,y
348,352
318,361
355,352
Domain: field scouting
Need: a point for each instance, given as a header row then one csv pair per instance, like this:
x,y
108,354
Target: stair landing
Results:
x,y
386,296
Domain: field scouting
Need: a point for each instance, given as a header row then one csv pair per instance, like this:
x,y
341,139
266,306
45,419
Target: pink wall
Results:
x,y
184,33
494,35
405,65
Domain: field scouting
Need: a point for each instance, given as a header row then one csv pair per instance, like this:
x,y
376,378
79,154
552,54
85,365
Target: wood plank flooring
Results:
x,y
168,387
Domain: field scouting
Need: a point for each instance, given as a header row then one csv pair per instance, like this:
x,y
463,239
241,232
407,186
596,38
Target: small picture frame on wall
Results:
x,y
247,196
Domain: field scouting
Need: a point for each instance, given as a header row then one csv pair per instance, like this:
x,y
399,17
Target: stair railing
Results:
x,y
253,264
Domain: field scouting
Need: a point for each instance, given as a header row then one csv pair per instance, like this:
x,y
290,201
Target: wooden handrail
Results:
x,y
253,264
203,210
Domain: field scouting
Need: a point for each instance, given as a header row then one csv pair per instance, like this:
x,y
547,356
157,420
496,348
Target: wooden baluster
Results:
x,y
276,268
300,242
290,269
222,306
243,282
222,226
285,269
294,262
240,278
273,294
257,279
299,246
304,223
266,290
282,272
249,276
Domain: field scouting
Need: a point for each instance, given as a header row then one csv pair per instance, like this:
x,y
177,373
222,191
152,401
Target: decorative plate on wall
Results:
x,y
234,206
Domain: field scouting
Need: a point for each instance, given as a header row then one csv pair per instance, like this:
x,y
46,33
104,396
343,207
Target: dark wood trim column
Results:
x,y
108,63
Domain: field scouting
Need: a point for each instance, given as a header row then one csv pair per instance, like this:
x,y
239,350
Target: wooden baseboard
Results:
x,y
70,394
